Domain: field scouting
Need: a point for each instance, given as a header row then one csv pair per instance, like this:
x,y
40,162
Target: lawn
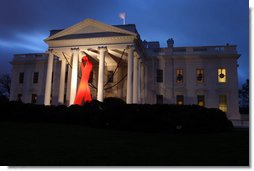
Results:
x,y
65,144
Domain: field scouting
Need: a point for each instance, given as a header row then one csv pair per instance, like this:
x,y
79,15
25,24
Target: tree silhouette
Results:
x,y
5,86
244,95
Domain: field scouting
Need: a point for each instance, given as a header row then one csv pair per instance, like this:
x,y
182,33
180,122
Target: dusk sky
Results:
x,y
24,24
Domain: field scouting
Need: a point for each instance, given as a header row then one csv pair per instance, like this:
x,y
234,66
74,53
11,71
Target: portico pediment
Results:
x,y
89,28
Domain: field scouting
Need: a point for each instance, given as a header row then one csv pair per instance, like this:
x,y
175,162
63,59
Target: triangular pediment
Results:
x,y
89,29
89,26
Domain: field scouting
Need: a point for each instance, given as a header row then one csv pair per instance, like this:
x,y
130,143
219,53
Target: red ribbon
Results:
x,y
83,93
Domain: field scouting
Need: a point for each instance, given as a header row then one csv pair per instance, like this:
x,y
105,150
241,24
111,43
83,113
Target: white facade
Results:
x,y
142,72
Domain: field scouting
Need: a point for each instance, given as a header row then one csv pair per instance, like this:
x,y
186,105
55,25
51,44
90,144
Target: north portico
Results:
x,y
126,67
106,46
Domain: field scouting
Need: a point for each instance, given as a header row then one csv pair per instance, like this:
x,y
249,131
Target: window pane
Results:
x,y
19,98
36,77
21,77
223,103
179,75
222,76
200,75
90,77
159,75
110,76
201,100
159,99
34,98
65,98
179,100
52,77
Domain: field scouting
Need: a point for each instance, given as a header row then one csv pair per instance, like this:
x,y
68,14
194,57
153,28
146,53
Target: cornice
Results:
x,y
85,23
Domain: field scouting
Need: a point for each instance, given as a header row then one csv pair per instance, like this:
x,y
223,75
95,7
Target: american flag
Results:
x,y
122,15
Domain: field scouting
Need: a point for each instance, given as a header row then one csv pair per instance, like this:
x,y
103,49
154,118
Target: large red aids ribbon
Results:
x,y
83,93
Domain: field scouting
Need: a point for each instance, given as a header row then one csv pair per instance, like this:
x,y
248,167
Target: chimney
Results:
x,y
170,43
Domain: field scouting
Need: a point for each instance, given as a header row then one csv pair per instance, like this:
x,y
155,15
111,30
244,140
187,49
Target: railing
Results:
x,y
25,57
240,123
205,50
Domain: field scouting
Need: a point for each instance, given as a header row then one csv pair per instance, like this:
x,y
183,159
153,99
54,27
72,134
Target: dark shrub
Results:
x,y
113,101
244,110
116,114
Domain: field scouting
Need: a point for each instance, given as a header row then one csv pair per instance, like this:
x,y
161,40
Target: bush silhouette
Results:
x,y
116,114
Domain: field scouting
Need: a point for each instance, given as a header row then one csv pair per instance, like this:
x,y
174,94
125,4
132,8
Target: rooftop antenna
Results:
x,y
122,16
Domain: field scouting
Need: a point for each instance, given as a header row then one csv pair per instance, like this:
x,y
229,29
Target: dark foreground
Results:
x,y
39,144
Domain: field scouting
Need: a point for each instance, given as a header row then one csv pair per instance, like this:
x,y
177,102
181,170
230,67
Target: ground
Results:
x,y
59,144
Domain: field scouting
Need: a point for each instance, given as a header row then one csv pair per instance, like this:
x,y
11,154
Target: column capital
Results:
x,y
102,48
75,49
50,50
130,47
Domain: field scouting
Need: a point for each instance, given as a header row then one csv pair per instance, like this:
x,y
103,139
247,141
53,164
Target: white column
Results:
x,y
62,82
49,78
68,85
74,75
139,85
129,76
135,80
101,74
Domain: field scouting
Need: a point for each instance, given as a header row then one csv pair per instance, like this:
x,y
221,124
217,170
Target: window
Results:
x,y
159,76
179,100
179,75
159,99
21,77
223,103
52,79
222,76
51,99
200,75
34,98
201,100
66,77
65,99
36,77
110,76
91,77
19,98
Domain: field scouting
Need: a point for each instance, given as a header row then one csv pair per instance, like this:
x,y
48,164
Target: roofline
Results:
x,y
88,20
40,53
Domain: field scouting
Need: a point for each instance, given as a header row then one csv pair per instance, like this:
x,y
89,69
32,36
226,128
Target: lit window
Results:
x,y
200,75
21,77
201,100
36,77
179,100
223,103
90,77
110,76
222,76
179,75
159,99
159,77
34,98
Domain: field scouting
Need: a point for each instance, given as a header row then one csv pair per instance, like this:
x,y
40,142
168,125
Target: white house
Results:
x,y
126,67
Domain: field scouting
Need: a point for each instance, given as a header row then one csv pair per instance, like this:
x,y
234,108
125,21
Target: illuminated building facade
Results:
x,y
126,67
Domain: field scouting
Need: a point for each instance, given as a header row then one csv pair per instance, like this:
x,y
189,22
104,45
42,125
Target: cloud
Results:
x,y
24,41
24,24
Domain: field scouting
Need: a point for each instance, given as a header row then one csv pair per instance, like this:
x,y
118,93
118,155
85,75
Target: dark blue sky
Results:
x,y
25,23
